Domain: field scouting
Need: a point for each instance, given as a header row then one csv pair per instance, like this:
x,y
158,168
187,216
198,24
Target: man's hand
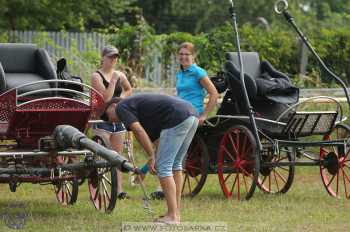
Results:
x,y
146,143
152,166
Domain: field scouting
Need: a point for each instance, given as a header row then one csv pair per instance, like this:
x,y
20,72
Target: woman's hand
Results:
x,y
113,80
201,119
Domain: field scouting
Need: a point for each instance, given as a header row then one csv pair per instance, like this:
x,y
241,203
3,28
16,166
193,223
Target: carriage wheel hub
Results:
x,y
332,163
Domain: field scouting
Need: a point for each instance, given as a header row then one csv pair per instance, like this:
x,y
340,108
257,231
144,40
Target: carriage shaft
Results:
x,y
293,163
287,143
74,167
20,154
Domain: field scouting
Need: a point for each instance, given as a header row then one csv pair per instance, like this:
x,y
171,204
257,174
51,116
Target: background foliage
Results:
x,y
139,28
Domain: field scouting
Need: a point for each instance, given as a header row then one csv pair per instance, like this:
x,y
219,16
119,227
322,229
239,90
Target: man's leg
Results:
x,y
178,178
169,189
177,167
169,144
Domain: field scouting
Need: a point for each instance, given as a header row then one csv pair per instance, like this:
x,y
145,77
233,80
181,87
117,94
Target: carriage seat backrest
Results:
x,y
251,62
251,66
232,102
24,63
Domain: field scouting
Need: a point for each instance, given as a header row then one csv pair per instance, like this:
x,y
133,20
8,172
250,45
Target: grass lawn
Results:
x,y
306,207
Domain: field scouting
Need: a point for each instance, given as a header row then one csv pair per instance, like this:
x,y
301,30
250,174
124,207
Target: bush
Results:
x,y
280,45
334,48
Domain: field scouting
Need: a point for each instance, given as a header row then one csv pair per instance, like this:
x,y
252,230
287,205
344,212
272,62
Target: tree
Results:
x,y
82,15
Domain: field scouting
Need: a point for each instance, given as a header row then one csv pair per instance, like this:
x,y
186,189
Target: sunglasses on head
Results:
x,y
114,56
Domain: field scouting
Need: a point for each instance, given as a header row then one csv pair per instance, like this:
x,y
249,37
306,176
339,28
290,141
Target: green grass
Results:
x,y
306,207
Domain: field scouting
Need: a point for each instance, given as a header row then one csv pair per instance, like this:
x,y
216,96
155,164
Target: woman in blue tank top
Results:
x,y
193,83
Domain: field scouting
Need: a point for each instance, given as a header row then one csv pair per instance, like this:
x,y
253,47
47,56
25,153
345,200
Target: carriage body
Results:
x,y
30,116
29,152
34,103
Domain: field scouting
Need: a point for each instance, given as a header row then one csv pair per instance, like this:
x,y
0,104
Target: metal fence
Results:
x,y
72,45
55,41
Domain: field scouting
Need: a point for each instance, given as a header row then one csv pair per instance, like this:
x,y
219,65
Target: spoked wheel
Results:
x,y
238,163
66,190
102,184
272,177
195,168
335,164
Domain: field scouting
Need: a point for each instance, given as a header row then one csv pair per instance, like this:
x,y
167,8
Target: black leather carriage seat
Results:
x,y
22,64
233,102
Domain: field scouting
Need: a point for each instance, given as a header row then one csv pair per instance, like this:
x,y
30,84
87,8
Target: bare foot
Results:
x,y
167,220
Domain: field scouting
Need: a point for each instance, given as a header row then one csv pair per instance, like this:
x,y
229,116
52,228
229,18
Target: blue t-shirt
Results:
x,y
189,88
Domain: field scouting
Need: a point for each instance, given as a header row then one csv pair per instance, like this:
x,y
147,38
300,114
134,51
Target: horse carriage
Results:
x,y
42,125
258,139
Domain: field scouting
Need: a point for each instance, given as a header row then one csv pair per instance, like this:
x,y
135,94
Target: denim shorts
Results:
x,y
110,127
173,145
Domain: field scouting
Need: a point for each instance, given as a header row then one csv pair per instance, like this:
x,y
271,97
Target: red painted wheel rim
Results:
x,y
64,192
274,179
235,155
99,188
64,189
337,184
101,183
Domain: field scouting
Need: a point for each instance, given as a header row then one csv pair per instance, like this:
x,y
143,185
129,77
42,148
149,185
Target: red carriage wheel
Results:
x,y
102,184
335,163
273,178
196,167
238,163
66,190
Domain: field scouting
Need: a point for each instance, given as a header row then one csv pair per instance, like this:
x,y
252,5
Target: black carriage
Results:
x,y
226,145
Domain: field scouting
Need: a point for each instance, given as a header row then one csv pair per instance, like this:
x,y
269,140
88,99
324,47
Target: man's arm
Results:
x,y
146,143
